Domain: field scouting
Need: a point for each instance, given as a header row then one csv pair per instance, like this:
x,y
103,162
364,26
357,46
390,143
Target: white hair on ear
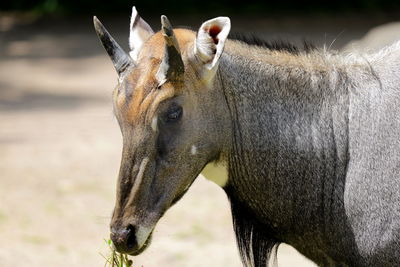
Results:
x,y
205,47
210,40
140,31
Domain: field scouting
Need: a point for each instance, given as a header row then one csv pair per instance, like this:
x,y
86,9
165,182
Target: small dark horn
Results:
x,y
171,67
119,57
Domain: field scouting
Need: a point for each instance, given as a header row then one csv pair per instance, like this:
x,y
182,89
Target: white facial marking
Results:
x,y
216,172
139,176
142,234
154,124
193,150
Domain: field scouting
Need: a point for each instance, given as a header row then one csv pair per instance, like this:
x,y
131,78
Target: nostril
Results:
x,y
131,239
124,239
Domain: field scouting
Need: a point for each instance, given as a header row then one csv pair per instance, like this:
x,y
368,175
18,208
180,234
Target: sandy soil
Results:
x,y
60,147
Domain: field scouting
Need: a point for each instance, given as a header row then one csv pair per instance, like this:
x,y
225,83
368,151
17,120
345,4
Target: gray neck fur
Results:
x,y
289,152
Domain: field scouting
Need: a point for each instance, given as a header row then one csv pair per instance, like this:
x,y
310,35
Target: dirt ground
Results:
x,y
60,146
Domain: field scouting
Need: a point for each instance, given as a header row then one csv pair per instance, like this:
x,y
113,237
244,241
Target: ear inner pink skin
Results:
x,y
214,31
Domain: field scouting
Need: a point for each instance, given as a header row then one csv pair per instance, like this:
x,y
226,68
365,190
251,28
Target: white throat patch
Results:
x,y
216,172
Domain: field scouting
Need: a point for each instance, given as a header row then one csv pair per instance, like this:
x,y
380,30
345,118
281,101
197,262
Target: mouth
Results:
x,y
143,247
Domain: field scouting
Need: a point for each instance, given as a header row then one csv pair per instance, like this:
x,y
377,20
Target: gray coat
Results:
x,y
316,154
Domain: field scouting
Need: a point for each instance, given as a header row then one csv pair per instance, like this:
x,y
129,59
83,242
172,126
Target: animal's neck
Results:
x,y
289,149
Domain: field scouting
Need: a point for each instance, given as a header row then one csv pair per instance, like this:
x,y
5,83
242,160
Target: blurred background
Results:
x,y
60,145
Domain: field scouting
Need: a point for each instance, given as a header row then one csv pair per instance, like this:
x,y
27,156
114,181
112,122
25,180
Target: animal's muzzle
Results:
x,y
124,239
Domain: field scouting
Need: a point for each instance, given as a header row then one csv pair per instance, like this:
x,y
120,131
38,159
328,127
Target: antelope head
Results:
x,y
173,119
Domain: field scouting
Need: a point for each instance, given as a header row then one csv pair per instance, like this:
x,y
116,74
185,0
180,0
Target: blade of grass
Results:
x,y
116,259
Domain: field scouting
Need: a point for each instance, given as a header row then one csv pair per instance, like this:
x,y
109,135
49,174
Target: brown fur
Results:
x,y
142,82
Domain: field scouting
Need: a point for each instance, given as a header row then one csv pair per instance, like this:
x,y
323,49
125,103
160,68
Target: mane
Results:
x,y
275,45
255,241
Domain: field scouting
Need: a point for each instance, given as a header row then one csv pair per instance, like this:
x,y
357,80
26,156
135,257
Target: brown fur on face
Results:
x,y
140,93
158,163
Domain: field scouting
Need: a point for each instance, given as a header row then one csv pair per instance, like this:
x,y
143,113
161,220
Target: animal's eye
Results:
x,y
174,114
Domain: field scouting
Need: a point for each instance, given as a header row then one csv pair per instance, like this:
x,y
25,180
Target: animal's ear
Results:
x,y
210,41
140,31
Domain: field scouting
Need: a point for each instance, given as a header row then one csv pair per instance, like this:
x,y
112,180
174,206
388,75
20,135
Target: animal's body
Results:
x,y
316,154
310,141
